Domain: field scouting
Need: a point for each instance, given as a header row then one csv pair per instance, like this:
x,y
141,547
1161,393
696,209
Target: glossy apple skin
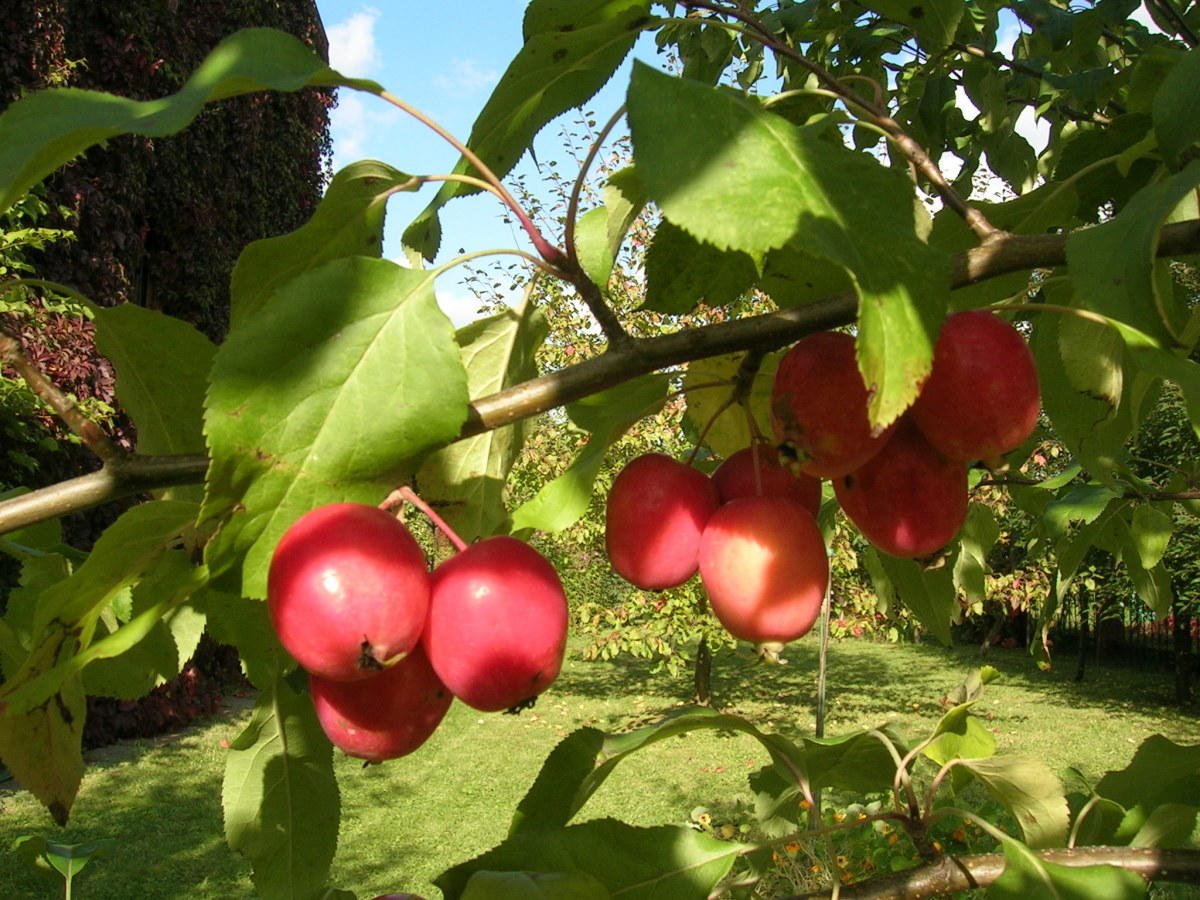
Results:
x,y
386,716
735,478
819,406
909,500
764,567
656,512
348,590
981,399
497,626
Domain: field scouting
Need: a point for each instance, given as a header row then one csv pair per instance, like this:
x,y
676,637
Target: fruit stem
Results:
x,y
406,494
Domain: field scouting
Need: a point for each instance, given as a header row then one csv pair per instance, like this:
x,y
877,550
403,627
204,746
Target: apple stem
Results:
x,y
728,402
406,494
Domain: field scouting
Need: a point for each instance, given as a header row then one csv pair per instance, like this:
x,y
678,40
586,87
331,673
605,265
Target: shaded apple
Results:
x,y
497,626
386,716
764,567
735,478
656,511
909,500
819,407
347,590
981,399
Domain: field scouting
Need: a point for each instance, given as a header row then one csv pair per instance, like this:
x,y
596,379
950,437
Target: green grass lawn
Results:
x,y
405,821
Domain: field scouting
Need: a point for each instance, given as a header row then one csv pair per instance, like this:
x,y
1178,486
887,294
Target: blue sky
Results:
x,y
444,60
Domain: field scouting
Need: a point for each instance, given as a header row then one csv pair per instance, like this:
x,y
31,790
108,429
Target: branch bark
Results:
x,y
952,874
1007,253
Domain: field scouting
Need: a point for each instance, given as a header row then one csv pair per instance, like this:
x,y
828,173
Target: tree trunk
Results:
x,y
1181,640
703,674
1083,634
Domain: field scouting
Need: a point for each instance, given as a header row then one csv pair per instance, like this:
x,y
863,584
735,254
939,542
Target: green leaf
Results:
x,y
331,393
43,745
1027,877
68,860
929,594
607,416
347,222
280,797
158,640
1161,771
534,886
729,431
124,552
44,130
960,735
1112,265
556,69
244,624
682,272
1176,108
161,365
550,801
1151,529
1093,357
600,232
465,481
1152,583
583,760
1030,791
932,21
1082,504
979,533
793,277
662,862
700,149
1169,825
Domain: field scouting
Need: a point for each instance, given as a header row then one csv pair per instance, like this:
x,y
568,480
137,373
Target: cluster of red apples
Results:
x,y
750,530
388,645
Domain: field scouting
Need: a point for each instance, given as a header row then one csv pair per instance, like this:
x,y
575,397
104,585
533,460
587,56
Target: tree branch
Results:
x,y
637,356
952,874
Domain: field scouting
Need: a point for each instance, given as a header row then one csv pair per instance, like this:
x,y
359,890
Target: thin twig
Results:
x,y
545,249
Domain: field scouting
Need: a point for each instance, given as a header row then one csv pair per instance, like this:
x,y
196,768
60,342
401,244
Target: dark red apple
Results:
x,y
819,407
386,716
348,591
764,566
735,478
657,509
909,500
497,626
981,399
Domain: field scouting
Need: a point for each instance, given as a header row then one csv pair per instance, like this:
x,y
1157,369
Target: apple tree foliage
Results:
x,y
811,154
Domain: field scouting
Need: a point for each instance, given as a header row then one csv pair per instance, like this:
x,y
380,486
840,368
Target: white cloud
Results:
x,y
352,44
466,77
459,304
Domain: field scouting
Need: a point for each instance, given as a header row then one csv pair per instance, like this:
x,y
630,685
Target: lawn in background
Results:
x,y
405,821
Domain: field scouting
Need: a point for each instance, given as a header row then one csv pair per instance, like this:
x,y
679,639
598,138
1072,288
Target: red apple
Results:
x,y
735,478
386,716
764,566
909,500
347,591
497,626
981,399
819,407
656,511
